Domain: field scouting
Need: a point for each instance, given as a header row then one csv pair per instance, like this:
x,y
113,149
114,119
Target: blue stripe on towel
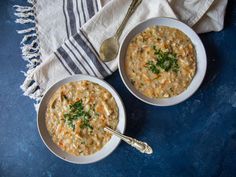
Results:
x,y
83,58
77,11
81,64
85,38
68,60
96,4
64,12
90,7
83,10
71,15
90,54
63,64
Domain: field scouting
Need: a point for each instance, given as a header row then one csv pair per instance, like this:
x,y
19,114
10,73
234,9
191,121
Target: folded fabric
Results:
x,y
79,53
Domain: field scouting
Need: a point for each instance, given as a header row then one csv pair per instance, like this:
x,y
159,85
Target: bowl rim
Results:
x,y
96,80
140,96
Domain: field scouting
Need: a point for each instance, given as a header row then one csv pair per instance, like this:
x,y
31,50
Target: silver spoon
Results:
x,y
110,47
139,145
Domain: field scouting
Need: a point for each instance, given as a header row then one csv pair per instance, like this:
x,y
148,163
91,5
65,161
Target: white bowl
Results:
x,y
106,150
200,53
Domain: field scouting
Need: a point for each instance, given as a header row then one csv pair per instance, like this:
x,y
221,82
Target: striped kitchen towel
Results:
x,y
65,35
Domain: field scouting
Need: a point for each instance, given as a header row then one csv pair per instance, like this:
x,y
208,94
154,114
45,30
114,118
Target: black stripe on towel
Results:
x,y
77,10
82,7
93,49
69,61
62,63
90,7
84,59
64,12
96,3
82,65
71,17
90,54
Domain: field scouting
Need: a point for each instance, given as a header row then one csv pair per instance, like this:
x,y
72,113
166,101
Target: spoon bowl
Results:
x,y
109,49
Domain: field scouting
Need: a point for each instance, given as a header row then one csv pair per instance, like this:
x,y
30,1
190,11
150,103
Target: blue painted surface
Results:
x,y
195,138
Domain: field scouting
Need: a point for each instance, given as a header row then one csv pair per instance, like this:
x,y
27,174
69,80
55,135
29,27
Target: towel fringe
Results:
x,y
24,20
23,8
30,48
26,48
36,106
30,55
28,30
31,1
31,89
27,37
24,15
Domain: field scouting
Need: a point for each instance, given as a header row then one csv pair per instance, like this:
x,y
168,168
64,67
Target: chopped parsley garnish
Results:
x,y
76,112
152,67
165,60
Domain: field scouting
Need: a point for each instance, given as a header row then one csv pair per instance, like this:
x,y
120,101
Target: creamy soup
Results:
x,y
77,114
160,62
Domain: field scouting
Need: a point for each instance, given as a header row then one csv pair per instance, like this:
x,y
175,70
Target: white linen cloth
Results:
x,y
68,34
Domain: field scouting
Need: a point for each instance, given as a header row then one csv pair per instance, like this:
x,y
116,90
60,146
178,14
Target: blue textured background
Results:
x,y
195,138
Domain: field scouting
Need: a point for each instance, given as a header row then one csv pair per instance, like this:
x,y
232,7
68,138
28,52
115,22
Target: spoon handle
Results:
x,y
132,8
139,145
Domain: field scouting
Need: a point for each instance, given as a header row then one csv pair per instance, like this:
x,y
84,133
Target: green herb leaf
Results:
x,y
152,67
76,111
166,60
